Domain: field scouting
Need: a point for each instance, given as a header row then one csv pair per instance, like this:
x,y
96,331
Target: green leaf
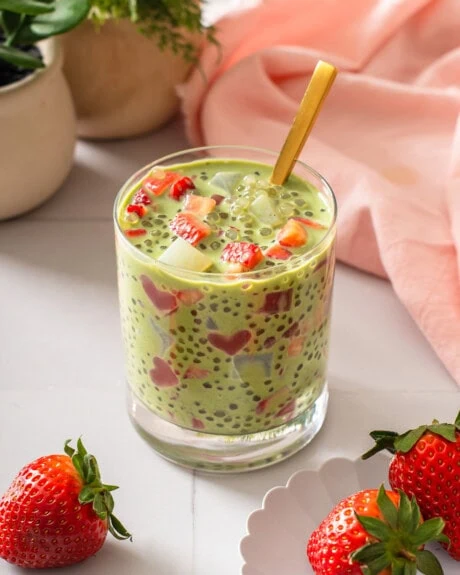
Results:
x,y
445,430
374,527
67,15
415,515
86,494
427,531
19,58
457,421
111,487
29,7
117,529
410,568
387,507
81,447
99,506
109,502
92,468
404,512
442,539
77,461
406,442
378,565
9,21
368,553
67,449
427,563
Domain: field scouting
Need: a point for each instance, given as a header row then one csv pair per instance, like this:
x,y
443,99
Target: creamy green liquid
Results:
x,y
227,355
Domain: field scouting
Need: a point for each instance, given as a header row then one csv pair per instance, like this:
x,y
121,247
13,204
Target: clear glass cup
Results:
x,y
233,375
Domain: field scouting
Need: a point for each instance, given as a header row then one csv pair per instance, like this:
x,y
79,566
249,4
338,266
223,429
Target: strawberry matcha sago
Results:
x,y
225,285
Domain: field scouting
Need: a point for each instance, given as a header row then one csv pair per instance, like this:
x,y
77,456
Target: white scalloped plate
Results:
x,y
278,532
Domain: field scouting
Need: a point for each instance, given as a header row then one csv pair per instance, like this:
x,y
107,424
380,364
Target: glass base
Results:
x,y
227,453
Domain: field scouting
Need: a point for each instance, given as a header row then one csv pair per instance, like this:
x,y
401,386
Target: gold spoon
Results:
x,y
317,90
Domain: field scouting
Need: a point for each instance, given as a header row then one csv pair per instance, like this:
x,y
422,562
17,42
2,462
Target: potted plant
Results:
x,y
124,63
37,118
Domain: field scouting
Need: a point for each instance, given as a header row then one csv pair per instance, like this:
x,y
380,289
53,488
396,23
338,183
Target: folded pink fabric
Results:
x,y
387,140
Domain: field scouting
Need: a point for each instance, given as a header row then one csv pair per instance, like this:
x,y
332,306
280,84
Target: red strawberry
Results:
x,y
218,199
157,185
292,234
244,253
278,253
57,511
310,223
141,198
189,228
135,233
200,205
426,465
138,209
180,187
374,532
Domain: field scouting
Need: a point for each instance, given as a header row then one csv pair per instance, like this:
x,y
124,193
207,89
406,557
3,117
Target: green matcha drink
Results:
x,y
225,287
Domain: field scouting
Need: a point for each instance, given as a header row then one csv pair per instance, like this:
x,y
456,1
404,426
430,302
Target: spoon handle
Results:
x,y
310,106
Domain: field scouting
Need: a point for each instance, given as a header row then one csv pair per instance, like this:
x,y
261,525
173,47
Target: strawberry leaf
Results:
x,y
368,553
86,494
457,421
430,529
404,512
374,527
387,507
379,564
406,442
117,529
428,563
445,430
410,568
415,515
397,566
99,506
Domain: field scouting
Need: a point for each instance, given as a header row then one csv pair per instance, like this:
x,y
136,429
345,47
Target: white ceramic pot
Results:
x,y
37,135
122,84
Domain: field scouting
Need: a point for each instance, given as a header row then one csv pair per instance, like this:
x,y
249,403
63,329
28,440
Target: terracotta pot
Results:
x,y
122,84
37,135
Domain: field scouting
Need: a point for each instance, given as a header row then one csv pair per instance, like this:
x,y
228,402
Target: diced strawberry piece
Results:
x,y
189,228
141,198
218,199
197,423
199,204
189,296
292,234
287,409
276,252
180,187
244,253
135,233
156,185
138,209
195,372
310,223
277,302
296,346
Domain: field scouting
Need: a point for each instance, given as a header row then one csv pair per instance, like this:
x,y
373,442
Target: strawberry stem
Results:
x,y
93,490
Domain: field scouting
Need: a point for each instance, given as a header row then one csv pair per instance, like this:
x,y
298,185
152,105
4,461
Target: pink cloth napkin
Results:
x,y
387,139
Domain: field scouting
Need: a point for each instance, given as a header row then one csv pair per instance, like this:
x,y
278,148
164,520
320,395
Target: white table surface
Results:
x,y
61,376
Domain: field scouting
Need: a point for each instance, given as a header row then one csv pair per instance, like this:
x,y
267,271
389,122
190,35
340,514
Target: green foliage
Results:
x,y
25,22
169,22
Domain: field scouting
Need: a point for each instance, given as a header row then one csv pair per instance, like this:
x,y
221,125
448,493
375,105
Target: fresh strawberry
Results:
x,y
138,209
244,253
180,187
158,184
135,233
57,511
276,252
199,205
190,228
310,223
375,532
141,198
426,465
292,234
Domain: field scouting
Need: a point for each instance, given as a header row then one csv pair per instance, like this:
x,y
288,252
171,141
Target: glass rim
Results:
x,y
280,268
